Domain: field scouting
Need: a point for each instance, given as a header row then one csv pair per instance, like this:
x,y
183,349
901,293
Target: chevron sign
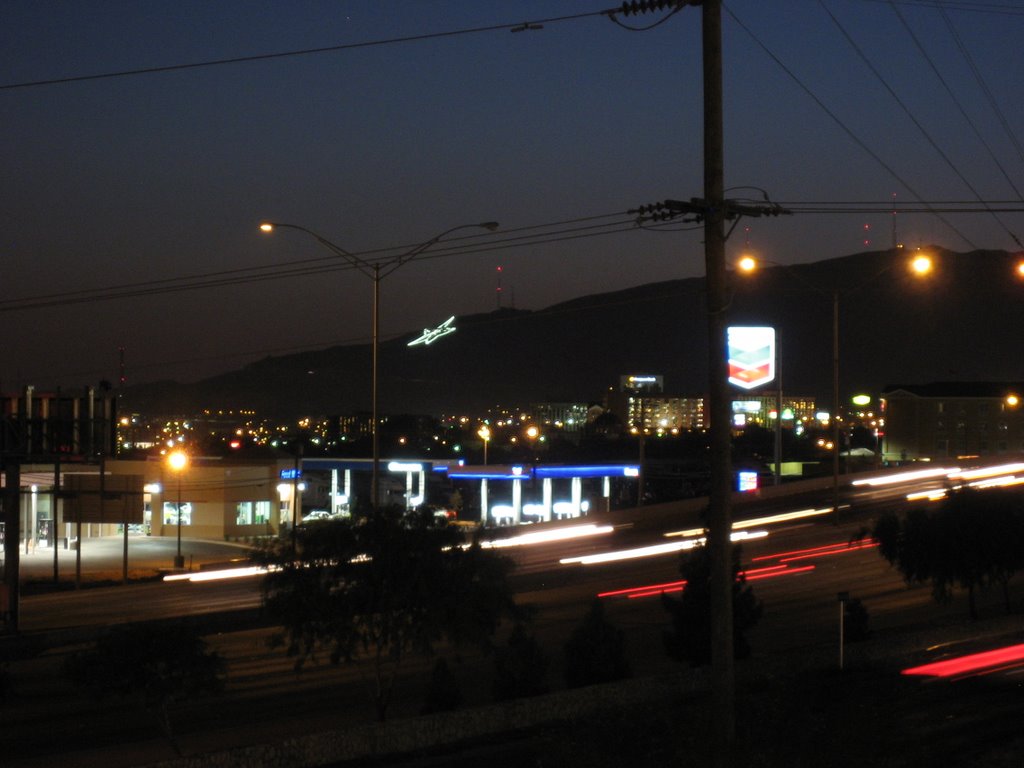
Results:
x,y
751,355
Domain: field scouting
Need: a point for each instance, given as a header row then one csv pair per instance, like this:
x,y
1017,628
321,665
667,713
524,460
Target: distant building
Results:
x,y
952,419
351,427
657,413
642,404
761,410
568,417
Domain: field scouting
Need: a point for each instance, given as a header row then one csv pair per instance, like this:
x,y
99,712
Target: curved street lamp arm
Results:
x,y
362,265
417,250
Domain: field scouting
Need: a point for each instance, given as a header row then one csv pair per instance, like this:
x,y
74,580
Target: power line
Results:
x,y
984,86
538,234
949,90
517,26
913,118
1005,9
835,118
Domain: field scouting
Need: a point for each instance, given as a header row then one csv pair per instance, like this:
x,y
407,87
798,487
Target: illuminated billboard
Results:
x,y
751,351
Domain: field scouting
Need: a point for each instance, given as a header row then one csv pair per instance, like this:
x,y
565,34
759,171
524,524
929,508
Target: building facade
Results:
x,y
948,420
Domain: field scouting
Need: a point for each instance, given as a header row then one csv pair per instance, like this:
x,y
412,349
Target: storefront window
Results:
x,y
170,516
252,512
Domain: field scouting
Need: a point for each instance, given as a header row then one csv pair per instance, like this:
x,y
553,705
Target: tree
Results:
x,y
381,588
157,664
596,651
972,540
689,637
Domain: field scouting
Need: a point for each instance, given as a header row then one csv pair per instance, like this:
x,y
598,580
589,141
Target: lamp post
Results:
x,y
376,271
178,461
919,265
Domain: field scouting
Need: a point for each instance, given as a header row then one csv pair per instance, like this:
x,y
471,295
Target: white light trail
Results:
x,y
654,550
983,472
907,477
217,575
754,521
543,537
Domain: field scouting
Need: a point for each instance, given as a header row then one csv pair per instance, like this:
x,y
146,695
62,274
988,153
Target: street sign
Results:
x,y
120,500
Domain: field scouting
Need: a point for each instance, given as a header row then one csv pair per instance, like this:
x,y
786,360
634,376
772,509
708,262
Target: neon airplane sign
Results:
x,y
430,335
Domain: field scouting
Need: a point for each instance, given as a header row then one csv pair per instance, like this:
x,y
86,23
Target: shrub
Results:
x,y
520,667
596,651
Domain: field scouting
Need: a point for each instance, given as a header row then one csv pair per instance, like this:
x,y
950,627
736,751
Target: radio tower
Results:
x,y
497,290
895,240
121,378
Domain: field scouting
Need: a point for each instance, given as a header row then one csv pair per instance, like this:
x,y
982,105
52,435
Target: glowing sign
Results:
x,y
404,466
751,355
430,335
747,481
746,406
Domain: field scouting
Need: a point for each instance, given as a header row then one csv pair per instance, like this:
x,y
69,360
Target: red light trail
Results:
x,y
989,661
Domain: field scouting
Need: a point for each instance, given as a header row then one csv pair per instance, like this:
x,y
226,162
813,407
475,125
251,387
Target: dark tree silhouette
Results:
x,y
381,588
970,541
689,638
443,694
158,665
520,668
596,651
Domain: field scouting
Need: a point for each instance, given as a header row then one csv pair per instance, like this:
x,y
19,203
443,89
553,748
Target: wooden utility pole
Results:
x,y
719,515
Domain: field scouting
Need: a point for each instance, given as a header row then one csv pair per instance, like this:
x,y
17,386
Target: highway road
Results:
x,y
796,564
800,595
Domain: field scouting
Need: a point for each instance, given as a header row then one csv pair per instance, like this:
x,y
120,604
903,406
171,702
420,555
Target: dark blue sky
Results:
x,y
153,177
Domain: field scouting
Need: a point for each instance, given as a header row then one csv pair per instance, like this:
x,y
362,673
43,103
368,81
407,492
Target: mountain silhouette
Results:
x,y
960,323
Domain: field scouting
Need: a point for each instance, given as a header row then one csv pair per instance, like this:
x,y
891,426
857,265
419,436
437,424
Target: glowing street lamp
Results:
x,y
921,264
376,271
485,435
178,461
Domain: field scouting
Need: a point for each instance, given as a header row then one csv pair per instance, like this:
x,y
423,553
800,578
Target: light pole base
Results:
x,y
179,562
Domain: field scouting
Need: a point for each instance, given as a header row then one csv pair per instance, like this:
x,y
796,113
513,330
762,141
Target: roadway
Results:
x,y
793,598
808,557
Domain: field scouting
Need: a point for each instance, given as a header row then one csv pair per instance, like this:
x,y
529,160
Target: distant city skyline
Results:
x,y
132,185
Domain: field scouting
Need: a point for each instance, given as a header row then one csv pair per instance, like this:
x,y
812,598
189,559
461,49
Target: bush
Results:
x,y
443,694
520,667
596,651
157,665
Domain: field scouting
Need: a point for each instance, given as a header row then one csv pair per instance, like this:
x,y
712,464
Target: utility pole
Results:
x,y
723,681
713,210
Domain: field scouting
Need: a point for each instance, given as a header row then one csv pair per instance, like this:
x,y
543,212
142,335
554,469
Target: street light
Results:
x,y
178,461
485,435
376,271
921,264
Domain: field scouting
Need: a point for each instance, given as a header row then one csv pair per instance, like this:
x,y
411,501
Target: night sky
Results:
x,y
131,184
